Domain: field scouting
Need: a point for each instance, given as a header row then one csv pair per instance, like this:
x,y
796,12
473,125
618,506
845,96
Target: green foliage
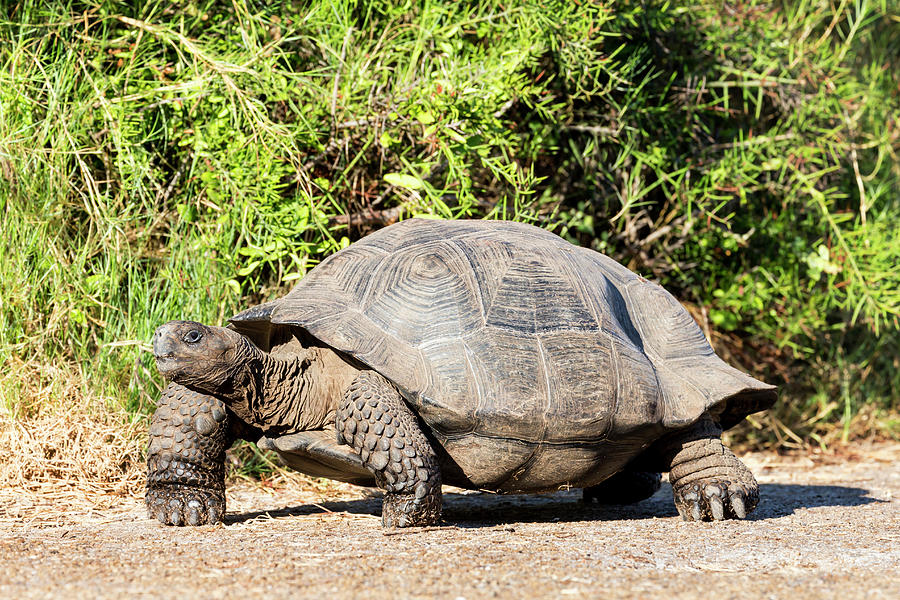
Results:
x,y
185,159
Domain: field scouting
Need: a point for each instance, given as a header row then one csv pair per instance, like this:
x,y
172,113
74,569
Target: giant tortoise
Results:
x,y
488,355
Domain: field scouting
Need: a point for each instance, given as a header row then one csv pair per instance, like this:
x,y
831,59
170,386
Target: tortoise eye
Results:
x,y
192,337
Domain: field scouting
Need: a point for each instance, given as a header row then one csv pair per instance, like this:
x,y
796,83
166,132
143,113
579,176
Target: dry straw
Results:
x,y
70,452
66,451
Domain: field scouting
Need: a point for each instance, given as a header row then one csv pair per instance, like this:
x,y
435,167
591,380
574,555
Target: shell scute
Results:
x,y
535,296
580,373
508,371
424,294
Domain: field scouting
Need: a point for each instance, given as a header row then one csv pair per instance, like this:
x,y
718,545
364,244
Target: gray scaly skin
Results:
x,y
277,395
311,390
708,481
189,433
376,423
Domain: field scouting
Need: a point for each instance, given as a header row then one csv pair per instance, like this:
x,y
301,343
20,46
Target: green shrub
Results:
x,y
185,159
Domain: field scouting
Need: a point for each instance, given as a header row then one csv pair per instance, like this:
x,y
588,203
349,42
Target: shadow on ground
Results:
x,y
487,510
782,499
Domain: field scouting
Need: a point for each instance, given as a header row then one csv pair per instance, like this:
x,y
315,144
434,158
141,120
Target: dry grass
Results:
x,y
63,448
70,452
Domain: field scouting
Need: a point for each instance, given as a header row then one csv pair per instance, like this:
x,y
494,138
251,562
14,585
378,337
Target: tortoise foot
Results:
x,y
708,481
715,500
405,510
178,505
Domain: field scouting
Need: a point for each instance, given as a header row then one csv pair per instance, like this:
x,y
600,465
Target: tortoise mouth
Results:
x,y
167,363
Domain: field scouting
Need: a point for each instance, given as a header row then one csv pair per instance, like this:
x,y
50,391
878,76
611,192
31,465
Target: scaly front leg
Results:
x,y
189,434
376,423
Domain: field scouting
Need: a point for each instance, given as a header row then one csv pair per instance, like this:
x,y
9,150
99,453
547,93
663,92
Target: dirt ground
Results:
x,y
827,527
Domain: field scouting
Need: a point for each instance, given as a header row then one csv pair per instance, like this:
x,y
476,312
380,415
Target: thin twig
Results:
x,y
408,530
176,176
153,105
854,160
367,216
337,75
762,139
318,158
506,106
595,129
356,123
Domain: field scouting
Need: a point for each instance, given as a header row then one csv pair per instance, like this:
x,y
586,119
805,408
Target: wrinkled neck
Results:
x,y
281,395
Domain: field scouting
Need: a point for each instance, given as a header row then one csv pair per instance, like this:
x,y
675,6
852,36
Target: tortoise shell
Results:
x,y
533,363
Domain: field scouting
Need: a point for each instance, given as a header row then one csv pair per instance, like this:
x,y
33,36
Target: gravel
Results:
x,y
827,527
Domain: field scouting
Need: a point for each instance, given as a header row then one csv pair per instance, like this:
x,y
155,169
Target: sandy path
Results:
x,y
824,529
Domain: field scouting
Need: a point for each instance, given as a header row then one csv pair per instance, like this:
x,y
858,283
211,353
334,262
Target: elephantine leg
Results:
x,y
189,434
626,487
376,423
708,480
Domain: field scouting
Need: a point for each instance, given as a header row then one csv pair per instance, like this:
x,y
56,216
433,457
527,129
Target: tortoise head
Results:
x,y
209,359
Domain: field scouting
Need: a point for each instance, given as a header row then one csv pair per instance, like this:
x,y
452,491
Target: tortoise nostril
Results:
x,y
157,340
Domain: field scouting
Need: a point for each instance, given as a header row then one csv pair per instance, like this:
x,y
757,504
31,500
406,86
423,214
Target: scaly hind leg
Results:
x,y
374,420
189,434
709,482
626,487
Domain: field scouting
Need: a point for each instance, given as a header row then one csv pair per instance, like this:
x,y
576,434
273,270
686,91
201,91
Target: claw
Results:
x,y
716,507
215,514
738,508
694,499
178,506
695,511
